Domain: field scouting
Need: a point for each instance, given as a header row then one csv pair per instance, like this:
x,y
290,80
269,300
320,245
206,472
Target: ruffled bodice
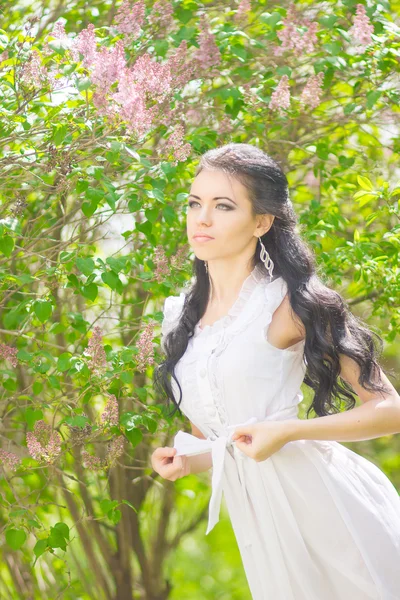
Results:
x,y
232,356
257,275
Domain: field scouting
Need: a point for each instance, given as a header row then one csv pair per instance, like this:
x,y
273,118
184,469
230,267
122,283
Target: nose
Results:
x,y
203,216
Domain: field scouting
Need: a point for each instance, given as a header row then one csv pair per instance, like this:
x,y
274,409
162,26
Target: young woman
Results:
x,y
313,520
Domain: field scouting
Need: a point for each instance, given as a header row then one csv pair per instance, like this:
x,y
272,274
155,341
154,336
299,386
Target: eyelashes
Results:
x,y
190,204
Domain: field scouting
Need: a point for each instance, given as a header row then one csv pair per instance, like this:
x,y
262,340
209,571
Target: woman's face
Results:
x,y
218,206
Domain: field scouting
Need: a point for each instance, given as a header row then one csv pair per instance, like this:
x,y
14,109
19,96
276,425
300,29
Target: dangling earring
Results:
x,y
267,260
205,264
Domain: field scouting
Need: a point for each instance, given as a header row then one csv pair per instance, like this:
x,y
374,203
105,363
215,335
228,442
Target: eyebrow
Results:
x,y
216,198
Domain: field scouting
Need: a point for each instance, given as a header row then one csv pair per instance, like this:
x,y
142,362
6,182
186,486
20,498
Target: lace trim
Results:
x,y
257,275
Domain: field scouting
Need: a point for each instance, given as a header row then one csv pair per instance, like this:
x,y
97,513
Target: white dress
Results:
x,y
315,521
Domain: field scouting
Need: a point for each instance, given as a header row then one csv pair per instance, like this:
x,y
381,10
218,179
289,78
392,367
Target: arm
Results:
x,y
376,417
199,462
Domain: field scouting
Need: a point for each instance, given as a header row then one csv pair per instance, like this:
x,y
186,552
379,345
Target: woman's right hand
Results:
x,y
165,462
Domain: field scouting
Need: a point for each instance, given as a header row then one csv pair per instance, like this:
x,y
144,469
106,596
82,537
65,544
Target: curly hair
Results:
x,y
330,327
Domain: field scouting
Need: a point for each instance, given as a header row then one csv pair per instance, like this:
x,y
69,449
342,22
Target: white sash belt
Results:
x,y
189,445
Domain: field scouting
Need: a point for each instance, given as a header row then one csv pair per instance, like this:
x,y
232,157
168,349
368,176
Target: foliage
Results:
x,y
104,110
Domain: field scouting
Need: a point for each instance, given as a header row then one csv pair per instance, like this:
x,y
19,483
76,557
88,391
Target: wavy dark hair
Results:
x,y
330,327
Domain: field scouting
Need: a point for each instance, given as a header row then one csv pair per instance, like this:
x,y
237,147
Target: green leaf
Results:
x,y
15,538
135,436
90,291
106,505
110,279
63,362
56,539
60,134
365,183
149,423
37,387
32,415
24,355
129,504
63,529
372,97
6,245
89,208
77,421
115,516
54,382
43,310
130,420
85,265
40,547
66,256
83,84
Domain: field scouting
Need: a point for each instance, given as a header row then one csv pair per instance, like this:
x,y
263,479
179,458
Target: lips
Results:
x,y
203,235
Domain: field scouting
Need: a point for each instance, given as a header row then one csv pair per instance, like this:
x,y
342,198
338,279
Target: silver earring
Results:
x,y
267,260
205,264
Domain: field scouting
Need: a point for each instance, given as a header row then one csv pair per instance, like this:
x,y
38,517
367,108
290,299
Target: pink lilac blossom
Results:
x,y
33,71
131,105
130,18
108,65
175,142
146,81
208,54
194,116
242,10
183,70
292,39
311,180
178,260
111,413
145,347
98,359
249,95
94,463
115,450
9,459
160,259
161,15
4,56
44,445
225,125
280,98
85,44
311,94
152,77
58,32
9,353
362,28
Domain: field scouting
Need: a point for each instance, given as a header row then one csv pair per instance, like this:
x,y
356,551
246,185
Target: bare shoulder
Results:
x,y
286,328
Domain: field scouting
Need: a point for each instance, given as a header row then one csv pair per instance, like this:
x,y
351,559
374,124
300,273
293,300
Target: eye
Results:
x,y
191,202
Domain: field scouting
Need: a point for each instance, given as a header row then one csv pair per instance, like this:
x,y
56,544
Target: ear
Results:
x,y
264,223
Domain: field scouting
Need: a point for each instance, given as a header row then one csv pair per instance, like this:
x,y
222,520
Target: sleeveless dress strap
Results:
x,y
275,292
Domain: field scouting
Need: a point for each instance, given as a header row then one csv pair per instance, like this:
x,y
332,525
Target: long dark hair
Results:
x,y
331,329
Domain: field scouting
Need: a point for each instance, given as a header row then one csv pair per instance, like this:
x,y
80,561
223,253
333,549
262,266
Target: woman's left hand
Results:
x,y
261,440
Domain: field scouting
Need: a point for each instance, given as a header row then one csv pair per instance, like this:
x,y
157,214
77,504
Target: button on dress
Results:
x,y
314,521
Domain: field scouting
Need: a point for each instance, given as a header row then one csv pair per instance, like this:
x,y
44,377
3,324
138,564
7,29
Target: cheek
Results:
x,y
240,228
